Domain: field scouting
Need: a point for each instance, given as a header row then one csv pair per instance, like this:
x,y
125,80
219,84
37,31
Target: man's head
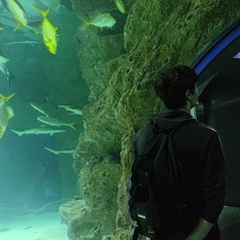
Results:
x,y
176,87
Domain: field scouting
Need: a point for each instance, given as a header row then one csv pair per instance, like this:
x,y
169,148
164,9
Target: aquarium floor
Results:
x,y
34,227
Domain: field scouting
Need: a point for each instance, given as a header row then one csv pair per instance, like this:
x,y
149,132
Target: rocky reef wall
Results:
x,y
119,66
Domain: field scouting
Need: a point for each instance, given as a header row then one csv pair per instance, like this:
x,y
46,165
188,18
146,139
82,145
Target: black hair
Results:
x,y
173,83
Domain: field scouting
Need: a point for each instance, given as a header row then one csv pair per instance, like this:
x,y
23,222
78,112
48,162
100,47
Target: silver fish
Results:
x,y
74,110
38,108
36,131
56,152
22,42
54,122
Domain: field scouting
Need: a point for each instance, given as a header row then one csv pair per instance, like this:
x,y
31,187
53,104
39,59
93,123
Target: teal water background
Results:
x,y
30,176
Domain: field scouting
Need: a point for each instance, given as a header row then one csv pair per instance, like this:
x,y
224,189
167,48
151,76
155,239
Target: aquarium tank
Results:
x,y
76,84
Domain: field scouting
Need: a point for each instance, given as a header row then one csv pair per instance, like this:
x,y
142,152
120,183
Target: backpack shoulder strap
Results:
x,y
168,166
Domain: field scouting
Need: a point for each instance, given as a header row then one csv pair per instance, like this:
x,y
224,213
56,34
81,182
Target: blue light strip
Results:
x,y
216,50
237,56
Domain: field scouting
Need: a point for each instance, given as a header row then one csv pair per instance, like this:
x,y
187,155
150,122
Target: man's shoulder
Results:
x,y
203,130
206,127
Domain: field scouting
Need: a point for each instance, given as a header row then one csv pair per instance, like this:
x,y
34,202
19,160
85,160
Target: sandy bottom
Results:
x,y
34,227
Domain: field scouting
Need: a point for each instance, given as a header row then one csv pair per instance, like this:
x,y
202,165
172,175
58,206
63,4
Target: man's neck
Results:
x,y
185,108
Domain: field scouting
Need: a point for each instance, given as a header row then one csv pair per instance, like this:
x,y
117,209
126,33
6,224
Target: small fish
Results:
x,y
6,113
4,68
54,122
56,152
49,32
22,42
1,27
18,12
120,6
74,110
37,131
38,108
101,21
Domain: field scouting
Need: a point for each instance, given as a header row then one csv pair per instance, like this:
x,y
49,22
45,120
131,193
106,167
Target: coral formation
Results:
x,y
119,66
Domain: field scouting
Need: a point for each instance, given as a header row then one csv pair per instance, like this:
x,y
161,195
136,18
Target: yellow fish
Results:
x,y
120,6
18,12
6,113
49,32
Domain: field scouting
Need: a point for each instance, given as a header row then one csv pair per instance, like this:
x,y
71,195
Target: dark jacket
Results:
x,y
199,149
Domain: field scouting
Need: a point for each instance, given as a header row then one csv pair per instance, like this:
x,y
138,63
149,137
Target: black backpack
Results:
x,y
158,186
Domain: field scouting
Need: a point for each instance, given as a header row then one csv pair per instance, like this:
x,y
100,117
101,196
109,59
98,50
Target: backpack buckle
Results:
x,y
151,233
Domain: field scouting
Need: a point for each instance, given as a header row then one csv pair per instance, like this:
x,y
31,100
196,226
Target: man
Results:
x,y
198,148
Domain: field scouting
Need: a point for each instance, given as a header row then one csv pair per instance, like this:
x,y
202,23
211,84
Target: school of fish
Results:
x,y
48,30
50,40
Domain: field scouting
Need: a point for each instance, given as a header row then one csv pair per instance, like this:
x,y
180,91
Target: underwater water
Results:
x,y
36,173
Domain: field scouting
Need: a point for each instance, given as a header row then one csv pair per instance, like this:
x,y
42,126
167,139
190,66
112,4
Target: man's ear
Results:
x,y
188,94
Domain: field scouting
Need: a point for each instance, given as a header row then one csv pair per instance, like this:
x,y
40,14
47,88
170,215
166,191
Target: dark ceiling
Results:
x,y
222,76
216,66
